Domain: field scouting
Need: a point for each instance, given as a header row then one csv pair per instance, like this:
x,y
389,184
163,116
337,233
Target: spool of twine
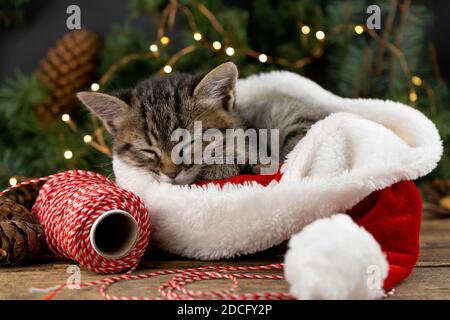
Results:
x,y
89,219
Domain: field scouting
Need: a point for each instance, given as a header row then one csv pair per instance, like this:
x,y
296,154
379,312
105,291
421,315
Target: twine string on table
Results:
x,y
174,289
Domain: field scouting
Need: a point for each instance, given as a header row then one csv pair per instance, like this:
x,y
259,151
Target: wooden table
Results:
x,y
429,280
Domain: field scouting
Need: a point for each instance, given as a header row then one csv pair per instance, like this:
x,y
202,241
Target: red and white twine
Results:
x,y
175,289
67,206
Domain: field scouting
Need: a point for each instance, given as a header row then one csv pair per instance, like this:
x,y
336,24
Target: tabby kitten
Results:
x,y
142,119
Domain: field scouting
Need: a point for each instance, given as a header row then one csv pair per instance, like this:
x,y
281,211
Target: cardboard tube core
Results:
x,y
114,234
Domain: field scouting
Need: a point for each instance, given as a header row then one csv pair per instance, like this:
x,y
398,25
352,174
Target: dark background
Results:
x,y
22,47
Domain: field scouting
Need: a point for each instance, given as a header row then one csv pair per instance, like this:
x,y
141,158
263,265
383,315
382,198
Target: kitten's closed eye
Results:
x,y
150,152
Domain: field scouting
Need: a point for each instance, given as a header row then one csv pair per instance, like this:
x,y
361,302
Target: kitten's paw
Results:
x,y
217,172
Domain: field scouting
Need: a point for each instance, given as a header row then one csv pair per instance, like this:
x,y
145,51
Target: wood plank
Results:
x,y
435,229
434,240
425,283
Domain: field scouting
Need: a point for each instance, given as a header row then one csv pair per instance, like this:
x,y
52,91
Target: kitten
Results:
x,y
142,119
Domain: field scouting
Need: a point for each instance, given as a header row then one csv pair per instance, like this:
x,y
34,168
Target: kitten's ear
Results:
x,y
218,86
109,109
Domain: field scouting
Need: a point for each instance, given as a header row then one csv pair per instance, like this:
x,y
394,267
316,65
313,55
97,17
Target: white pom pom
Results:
x,y
334,258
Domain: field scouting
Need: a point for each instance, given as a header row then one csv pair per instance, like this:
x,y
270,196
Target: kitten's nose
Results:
x,y
171,174
169,168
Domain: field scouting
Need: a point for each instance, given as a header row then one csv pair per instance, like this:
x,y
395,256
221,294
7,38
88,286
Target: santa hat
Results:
x,y
359,160
336,258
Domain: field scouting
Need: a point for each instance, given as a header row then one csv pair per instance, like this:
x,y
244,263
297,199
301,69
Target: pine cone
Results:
x,y
21,236
67,69
437,195
25,195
